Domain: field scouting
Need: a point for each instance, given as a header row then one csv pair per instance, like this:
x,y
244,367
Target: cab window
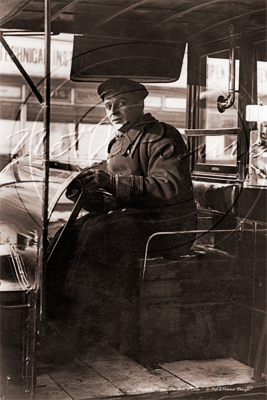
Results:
x,y
217,154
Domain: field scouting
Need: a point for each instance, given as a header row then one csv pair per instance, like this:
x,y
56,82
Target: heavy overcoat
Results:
x,y
153,193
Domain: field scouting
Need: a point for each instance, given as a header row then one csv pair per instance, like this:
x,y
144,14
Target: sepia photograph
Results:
x,y
133,199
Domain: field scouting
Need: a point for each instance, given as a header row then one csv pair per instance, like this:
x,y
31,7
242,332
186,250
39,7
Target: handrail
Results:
x,y
212,132
196,231
226,102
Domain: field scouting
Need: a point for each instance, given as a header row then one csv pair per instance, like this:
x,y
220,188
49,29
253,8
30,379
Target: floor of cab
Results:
x,y
104,373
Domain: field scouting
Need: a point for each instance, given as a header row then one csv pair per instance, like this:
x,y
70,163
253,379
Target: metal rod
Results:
x,y
21,69
196,231
31,345
213,132
47,84
226,102
16,307
254,241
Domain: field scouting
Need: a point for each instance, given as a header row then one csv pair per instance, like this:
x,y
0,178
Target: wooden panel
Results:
x,y
81,382
253,203
249,325
172,381
169,332
209,264
188,304
192,291
209,373
130,377
46,388
102,352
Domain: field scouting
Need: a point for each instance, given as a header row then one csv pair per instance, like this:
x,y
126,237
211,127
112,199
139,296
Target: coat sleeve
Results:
x,y
168,176
166,179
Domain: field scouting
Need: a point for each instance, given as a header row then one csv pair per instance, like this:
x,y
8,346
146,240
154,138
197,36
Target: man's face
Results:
x,y
123,109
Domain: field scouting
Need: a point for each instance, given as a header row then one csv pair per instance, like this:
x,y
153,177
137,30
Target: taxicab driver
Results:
x,y
149,179
148,176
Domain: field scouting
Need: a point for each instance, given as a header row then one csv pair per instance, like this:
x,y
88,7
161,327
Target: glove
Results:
x,y
95,181
94,184
92,180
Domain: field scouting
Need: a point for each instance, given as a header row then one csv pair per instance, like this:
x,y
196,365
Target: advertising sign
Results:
x,y
31,54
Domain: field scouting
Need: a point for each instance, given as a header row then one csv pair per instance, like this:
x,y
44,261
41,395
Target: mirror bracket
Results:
x,y
226,102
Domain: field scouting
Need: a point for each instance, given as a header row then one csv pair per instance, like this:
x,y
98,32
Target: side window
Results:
x,y
257,116
218,149
261,50
215,151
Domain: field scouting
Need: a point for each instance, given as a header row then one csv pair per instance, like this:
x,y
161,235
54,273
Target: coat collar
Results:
x,y
138,128
131,138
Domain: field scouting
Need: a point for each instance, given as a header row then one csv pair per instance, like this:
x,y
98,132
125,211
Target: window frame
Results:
x,y
196,78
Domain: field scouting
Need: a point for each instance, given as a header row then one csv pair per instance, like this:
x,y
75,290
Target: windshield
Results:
x,y
79,129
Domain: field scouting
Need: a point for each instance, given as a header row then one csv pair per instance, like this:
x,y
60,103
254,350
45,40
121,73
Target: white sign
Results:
x,y
10,91
256,113
31,54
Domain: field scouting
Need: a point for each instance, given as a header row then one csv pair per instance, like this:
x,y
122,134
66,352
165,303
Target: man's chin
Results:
x,y
122,127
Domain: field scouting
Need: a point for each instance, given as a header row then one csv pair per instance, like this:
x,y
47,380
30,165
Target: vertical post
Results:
x,y
42,257
194,81
232,63
30,348
23,111
46,155
76,135
254,241
260,358
246,86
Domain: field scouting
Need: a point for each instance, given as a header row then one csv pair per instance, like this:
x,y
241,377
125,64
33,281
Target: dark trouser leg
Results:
x,y
104,271
59,266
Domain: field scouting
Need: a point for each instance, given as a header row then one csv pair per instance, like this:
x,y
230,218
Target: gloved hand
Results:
x,y
91,180
94,184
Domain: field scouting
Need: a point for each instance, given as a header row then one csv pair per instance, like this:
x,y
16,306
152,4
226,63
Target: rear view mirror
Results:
x,y
97,59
